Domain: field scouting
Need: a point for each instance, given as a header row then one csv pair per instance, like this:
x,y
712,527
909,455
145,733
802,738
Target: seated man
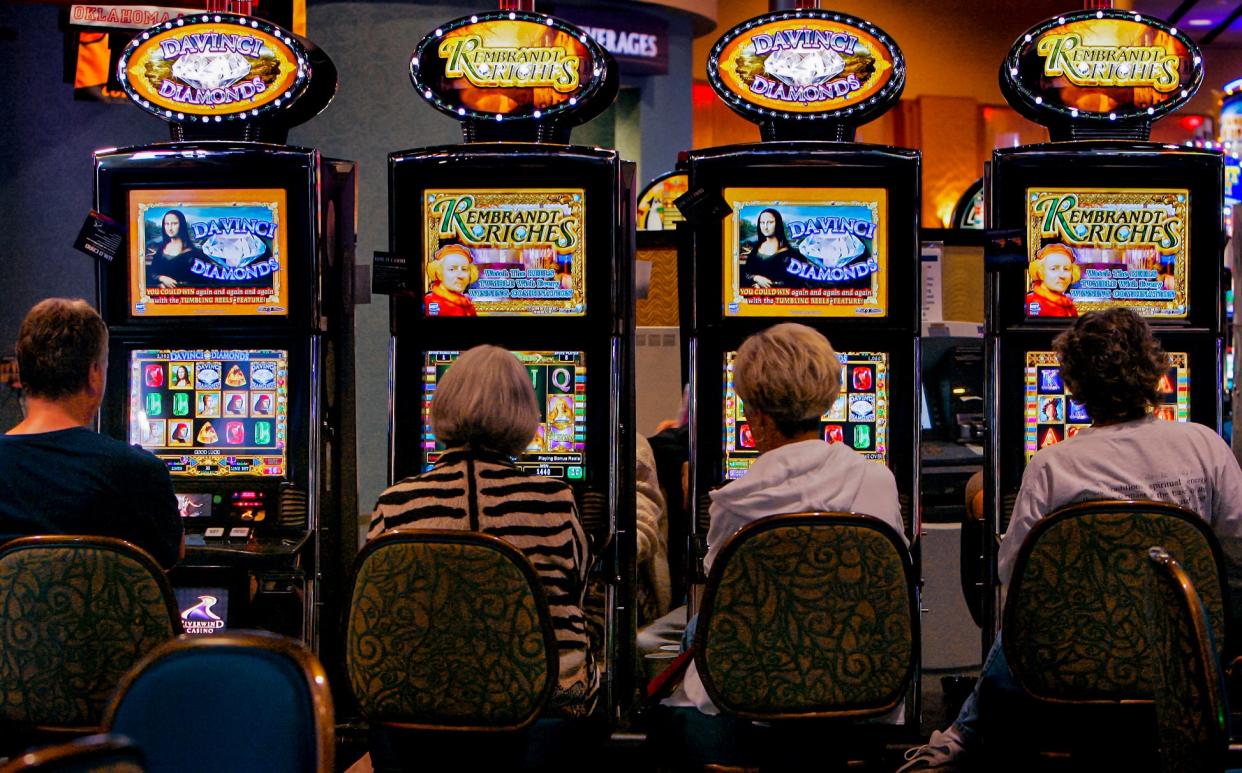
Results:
x,y
59,476
787,376
1111,364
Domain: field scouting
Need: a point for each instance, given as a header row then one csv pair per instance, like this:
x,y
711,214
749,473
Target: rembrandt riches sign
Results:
x,y
507,65
1101,65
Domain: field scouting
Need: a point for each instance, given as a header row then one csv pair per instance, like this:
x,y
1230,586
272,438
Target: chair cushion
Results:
x,y
810,618
73,620
1074,625
445,634
221,709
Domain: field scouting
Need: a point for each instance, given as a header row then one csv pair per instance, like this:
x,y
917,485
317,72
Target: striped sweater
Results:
x,y
481,492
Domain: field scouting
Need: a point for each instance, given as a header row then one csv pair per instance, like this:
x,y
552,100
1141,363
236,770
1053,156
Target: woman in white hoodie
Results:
x,y
787,376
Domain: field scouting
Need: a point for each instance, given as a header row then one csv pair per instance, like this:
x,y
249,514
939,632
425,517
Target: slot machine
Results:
x,y
538,235
1104,218
848,217
230,313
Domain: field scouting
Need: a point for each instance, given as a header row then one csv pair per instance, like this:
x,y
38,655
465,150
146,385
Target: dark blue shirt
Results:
x,y
77,481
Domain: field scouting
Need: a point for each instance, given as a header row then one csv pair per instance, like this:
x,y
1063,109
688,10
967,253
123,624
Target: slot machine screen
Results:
x,y
515,252
558,449
859,417
819,252
1094,248
204,611
211,412
1051,416
216,252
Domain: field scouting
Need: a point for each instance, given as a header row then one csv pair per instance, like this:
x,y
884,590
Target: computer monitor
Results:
x,y
559,448
816,252
211,413
1094,248
208,252
859,418
1051,416
517,252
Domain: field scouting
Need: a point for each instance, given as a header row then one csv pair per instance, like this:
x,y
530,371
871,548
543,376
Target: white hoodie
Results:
x,y
799,477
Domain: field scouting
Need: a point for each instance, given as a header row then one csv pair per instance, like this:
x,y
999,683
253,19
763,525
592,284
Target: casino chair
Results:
x,y
1192,715
448,633
76,613
244,702
92,754
1074,633
808,624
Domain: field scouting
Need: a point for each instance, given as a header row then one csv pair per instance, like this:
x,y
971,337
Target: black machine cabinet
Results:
x,y
601,334
827,167
1015,340
277,545
1115,165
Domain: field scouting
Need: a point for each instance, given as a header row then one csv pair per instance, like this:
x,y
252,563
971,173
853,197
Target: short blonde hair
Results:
x,y
485,400
790,373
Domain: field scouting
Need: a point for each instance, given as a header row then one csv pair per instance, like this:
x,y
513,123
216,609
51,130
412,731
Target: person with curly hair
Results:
x,y
1111,364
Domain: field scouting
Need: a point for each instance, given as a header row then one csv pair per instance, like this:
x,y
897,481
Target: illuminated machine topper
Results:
x,y
1051,416
807,64
211,412
214,67
1103,72
558,448
208,252
1095,248
504,252
858,418
510,66
806,251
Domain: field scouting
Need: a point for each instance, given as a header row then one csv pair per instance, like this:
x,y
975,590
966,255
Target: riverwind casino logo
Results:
x,y
213,67
201,618
806,62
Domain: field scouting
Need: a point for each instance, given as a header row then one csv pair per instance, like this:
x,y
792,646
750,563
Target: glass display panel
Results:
x,y
818,252
211,412
504,252
1094,248
558,449
216,252
1050,416
858,418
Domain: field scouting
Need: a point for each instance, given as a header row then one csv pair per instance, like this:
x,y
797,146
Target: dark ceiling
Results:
x,y
1210,22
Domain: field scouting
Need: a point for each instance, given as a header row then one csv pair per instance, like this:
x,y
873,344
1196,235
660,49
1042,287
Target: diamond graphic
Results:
x,y
804,67
233,249
211,70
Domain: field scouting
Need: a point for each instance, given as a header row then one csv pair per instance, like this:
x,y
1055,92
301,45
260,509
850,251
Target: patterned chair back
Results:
x,y
449,630
76,614
809,615
1073,624
1191,711
245,702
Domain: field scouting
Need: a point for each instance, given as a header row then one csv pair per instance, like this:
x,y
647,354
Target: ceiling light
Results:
x,y
1200,23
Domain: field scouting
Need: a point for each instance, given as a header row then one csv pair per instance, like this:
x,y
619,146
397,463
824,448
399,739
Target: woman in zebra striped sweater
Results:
x,y
484,410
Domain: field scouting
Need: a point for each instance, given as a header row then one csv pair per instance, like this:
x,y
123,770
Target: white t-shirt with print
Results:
x,y
1185,464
